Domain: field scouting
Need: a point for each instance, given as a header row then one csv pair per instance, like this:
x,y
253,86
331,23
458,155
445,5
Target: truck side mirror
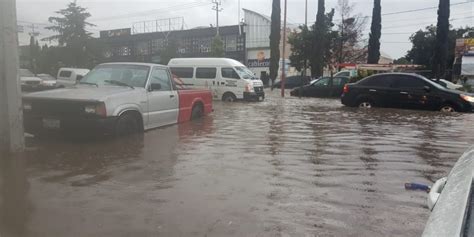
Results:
x,y
79,77
427,88
155,87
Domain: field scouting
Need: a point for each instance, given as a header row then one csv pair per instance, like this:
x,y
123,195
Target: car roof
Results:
x,y
204,62
134,63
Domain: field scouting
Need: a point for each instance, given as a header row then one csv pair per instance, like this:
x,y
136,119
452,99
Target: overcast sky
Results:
x,y
111,14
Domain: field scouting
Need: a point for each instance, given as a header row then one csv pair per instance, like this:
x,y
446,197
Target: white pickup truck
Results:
x,y
115,98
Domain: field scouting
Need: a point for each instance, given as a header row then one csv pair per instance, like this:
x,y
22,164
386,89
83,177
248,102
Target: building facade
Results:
x,y
158,47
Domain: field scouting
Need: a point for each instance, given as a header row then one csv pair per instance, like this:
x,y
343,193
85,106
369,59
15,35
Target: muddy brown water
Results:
x,y
283,167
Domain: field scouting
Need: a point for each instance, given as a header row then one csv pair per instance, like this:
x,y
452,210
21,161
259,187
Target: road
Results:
x,y
283,167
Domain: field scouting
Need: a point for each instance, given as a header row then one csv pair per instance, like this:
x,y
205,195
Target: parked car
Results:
x,y
115,98
30,83
447,84
228,79
323,87
47,80
451,201
293,82
405,90
68,77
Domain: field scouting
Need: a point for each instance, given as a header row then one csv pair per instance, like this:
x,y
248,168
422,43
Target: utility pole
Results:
x,y
217,8
11,117
306,25
283,70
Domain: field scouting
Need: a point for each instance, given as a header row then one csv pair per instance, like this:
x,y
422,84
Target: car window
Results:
x,y
377,81
161,76
65,74
183,72
132,75
408,82
229,73
206,73
339,81
322,82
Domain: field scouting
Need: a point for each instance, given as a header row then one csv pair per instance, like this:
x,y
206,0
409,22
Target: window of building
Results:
x,y
206,73
124,51
142,48
231,43
183,72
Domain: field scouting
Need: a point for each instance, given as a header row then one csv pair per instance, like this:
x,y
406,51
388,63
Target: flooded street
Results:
x,y
283,167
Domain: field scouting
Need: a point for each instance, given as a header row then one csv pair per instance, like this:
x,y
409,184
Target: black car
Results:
x,y
323,87
293,82
405,90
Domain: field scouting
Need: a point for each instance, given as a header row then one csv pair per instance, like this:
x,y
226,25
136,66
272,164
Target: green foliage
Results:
x,y
217,47
375,34
423,46
441,48
402,60
33,55
322,40
275,36
72,34
301,44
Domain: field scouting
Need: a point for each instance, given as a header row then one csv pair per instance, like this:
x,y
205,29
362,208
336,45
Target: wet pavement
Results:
x,y
283,167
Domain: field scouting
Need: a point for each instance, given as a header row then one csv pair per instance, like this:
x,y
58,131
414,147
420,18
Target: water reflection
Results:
x,y
292,167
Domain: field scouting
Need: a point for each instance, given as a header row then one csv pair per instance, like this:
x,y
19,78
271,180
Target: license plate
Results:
x,y
51,123
260,98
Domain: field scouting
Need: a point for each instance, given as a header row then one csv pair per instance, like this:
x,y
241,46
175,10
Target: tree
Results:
x,y
217,47
375,34
301,43
350,31
441,43
275,37
317,59
34,54
71,32
305,42
423,46
322,40
402,60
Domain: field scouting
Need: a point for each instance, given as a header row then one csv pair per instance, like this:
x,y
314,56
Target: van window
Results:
x,y
65,74
229,73
206,73
183,72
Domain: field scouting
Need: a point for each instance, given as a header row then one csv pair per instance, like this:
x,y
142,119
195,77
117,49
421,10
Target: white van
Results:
x,y
228,79
67,77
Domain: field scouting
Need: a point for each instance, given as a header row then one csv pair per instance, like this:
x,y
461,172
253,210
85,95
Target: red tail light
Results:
x,y
101,110
346,89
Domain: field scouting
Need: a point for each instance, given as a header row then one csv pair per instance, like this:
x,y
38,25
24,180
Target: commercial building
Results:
x,y
257,37
159,46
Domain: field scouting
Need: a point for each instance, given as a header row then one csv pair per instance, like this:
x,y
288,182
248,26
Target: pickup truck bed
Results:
x,y
191,97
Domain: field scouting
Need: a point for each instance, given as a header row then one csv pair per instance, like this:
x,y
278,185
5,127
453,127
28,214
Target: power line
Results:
x,y
151,12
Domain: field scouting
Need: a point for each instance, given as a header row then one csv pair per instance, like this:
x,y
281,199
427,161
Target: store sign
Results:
x,y
469,42
115,33
258,63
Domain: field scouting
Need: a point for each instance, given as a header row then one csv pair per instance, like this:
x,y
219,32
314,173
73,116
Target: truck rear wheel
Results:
x,y
197,112
126,124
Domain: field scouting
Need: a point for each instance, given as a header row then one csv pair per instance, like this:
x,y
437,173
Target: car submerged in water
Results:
x,y
117,99
406,91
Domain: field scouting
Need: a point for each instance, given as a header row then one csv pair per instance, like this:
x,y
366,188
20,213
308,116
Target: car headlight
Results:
x,y
467,98
27,106
98,109
249,88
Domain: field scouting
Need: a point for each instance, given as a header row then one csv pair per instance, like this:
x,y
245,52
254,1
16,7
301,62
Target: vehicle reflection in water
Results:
x,y
291,167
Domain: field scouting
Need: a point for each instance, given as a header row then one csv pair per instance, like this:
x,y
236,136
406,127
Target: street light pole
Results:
x,y
11,118
283,70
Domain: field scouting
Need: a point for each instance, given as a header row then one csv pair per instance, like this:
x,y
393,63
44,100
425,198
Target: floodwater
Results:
x,y
283,167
